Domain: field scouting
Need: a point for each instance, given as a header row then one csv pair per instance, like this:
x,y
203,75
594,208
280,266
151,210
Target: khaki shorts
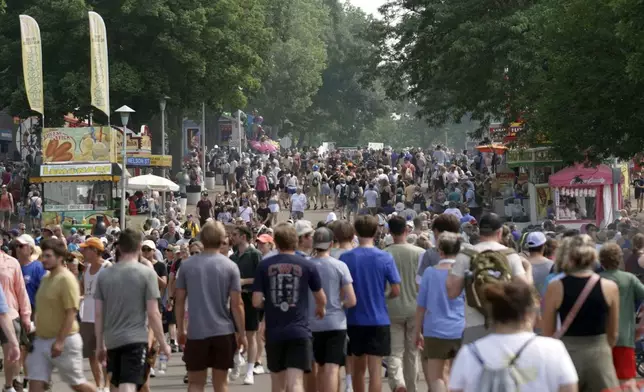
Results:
x,y
436,348
69,363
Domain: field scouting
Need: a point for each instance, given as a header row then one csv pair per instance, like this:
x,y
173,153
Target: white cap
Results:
x,y
149,243
26,239
535,239
303,227
331,217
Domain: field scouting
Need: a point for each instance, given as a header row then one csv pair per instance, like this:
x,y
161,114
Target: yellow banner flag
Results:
x,y
32,62
100,66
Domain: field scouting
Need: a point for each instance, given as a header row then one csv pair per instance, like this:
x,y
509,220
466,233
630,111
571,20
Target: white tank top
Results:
x,y
89,284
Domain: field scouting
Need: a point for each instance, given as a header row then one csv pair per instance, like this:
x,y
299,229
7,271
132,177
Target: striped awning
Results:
x,y
42,180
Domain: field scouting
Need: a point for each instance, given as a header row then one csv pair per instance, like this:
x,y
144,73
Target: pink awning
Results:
x,y
589,176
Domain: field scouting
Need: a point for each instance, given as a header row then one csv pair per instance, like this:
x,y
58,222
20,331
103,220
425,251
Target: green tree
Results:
x,y
296,58
348,100
587,99
453,58
193,51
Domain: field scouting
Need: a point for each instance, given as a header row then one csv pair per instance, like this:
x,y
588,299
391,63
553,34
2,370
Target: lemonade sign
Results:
x,y
89,144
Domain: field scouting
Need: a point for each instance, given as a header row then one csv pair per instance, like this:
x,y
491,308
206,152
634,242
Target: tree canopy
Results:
x,y
571,70
191,51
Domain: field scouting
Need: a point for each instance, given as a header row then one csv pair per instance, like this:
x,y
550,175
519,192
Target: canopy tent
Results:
x,y
581,176
149,182
585,194
498,149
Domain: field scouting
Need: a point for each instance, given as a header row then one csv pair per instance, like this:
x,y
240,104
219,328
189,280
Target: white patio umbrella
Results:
x,y
149,182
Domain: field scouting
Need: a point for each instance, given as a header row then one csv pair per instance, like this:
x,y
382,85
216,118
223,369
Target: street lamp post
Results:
x,y
125,112
162,103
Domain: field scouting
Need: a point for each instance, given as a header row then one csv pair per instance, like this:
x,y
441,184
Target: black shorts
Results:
x,y
289,354
127,364
215,352
330,347
251,313
169,317
369,340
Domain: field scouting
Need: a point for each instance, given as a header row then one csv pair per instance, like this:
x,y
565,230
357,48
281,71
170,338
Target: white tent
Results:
x,y
151,182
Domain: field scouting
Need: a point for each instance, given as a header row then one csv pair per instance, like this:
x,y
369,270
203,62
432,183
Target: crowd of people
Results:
x,y
408,271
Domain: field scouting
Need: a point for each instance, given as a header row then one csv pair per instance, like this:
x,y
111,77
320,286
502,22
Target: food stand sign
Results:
x,y
90,169
88,144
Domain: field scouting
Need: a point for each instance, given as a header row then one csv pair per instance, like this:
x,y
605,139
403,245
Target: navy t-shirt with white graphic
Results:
x,y
285,281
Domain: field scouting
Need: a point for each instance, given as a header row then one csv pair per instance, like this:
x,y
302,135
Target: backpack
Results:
x,y
343,192
505,379
487,267
33,208
353,194
315,182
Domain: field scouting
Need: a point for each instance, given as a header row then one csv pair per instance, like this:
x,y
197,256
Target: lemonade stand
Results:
x,y
77,175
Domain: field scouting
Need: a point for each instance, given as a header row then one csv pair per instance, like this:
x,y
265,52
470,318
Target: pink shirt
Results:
x,y
262,184
13,285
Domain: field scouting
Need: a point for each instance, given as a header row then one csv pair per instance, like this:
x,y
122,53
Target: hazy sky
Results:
x,y
370,6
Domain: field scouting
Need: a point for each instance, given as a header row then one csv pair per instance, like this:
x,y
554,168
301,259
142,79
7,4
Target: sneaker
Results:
x,y
173,347
233,374
258,369
249,379
9,389
153,373
239,360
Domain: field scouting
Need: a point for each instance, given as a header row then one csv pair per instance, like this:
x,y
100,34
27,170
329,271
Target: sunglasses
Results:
x,y
194,253
146,249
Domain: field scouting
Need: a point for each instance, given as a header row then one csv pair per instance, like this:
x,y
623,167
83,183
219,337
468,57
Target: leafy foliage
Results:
x,y
193,51
572,70
296,58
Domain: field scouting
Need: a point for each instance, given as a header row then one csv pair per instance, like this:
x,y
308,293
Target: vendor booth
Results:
x,y
585,194
77,176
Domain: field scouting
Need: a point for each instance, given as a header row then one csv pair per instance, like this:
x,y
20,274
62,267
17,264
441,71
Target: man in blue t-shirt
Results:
x,y
368,322
281,286
32,271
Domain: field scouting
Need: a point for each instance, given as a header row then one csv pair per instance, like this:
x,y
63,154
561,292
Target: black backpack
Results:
x,y
343,192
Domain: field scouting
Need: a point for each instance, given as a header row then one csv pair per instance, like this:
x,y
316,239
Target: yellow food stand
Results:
x,y
77,176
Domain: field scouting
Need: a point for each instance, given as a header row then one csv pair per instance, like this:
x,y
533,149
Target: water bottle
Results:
x,y
163,363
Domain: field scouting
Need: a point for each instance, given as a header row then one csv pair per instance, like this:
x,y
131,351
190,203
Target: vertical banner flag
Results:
x,y
32,62
100,66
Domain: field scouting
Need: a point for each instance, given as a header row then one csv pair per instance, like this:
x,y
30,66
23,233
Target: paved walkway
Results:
x,y
173,381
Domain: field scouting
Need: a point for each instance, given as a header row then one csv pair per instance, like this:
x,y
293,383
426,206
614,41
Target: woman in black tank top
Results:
x,y
594,329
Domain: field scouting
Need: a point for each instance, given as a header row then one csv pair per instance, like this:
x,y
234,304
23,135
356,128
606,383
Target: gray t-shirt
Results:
x,y
334,275
337,252
125,289
208,280
540,271
430,259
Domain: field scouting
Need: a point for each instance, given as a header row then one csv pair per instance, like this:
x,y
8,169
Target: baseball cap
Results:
x,y
26,239
303,227
490,223
14,232
265,239
149,244
93,242
535,239
322,238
